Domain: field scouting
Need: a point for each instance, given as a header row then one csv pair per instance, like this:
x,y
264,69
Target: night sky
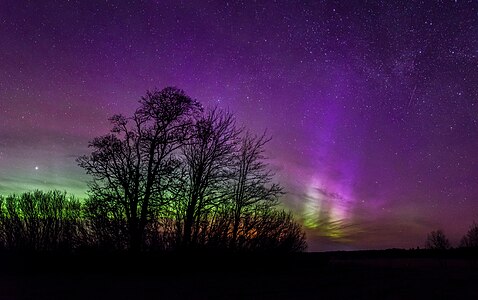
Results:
x,y
372,105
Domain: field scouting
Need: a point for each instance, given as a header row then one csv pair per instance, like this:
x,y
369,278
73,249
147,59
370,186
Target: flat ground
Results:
x,y
392,274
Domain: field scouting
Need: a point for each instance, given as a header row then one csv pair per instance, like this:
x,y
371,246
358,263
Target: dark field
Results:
x,y
390,274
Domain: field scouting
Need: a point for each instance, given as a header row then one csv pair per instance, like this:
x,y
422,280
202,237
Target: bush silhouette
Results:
x,y
437,240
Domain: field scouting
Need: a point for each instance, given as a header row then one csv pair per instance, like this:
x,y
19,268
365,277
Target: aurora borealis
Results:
x,y
372,105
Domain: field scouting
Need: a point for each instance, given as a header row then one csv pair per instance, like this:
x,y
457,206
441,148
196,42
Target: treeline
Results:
x,y
437,239
49,221
173,176
55,221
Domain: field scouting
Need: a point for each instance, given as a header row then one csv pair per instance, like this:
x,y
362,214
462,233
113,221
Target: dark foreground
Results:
x,y
394,274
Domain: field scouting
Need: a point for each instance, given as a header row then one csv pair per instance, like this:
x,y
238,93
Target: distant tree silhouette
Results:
x,y
437,240
130,166
43,221
470,240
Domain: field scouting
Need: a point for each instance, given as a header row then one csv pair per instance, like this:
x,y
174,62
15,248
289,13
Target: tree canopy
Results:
x,y
177,171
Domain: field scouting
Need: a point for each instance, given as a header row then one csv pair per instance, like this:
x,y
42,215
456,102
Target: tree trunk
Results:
x,y
188,225
235,228
135,237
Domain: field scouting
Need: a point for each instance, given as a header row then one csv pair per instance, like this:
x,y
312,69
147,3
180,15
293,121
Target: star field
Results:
x,y
372,105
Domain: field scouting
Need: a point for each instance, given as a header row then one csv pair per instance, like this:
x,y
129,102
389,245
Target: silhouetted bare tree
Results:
x,y
437,240
172,175
251,179
130,166
207,161
470,240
